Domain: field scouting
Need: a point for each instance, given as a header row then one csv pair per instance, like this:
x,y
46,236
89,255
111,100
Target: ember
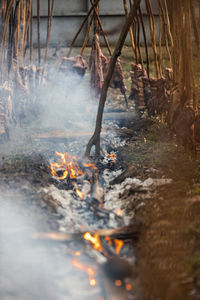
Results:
x,y
80,194
112,156
119,244
128,287
89,270
118,212
118,283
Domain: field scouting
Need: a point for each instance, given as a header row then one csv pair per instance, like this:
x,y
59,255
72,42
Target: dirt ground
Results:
x,y
169,243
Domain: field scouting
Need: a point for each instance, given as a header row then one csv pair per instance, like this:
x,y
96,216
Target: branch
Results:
x,y
95,139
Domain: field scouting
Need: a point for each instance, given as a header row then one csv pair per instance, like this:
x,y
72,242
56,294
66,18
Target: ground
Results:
x,y
168,247
168,255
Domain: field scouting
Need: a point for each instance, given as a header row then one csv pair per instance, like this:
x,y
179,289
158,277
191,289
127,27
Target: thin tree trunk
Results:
x,y
95,139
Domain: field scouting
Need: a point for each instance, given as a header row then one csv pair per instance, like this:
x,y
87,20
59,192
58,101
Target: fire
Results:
x,y
80,194
89,270
118,283
68,164
118,212
112,156
119,244
95,240
90,165
129,287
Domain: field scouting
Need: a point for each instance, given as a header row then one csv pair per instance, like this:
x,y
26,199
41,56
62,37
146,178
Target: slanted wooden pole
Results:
x,y
95,139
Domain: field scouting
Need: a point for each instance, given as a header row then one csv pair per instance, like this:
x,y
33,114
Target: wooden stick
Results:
x,y
17,26
81,27
153,37
38,30
6,24
101,28
27,24
87,35
145,40
168,23
160,40
49,31
122,233
95,139
23,20
130,31
194,25
165,32
31,32
138,41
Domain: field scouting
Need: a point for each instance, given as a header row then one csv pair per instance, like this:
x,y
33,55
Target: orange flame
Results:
x,y
112,156
118,283
118,212
119,244
80,194
95,240
89,270
68,165
86,165
129,287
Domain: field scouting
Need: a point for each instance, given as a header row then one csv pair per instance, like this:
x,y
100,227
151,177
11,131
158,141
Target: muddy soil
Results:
x,y
168,249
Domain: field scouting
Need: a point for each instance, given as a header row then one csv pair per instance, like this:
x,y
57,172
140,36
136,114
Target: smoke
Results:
x,y
65,103
31,269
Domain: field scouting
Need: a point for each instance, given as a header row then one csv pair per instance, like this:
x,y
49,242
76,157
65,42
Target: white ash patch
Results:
x,y
156,182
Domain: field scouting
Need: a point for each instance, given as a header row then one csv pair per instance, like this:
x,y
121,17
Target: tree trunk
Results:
x,y
95,139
